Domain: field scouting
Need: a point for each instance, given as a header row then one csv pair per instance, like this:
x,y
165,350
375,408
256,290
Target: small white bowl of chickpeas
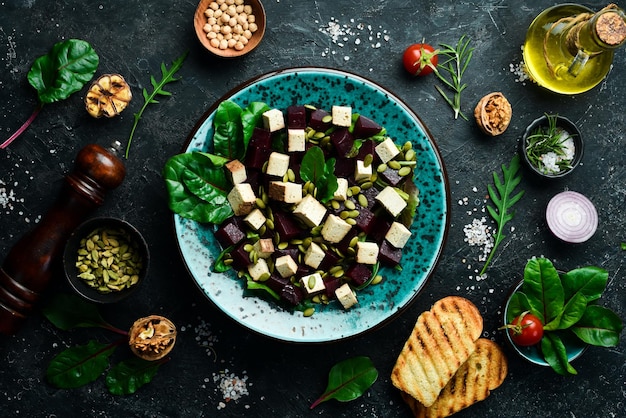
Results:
x,y
230,28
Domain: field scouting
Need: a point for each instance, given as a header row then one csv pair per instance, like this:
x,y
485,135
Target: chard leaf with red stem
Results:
x,y
67,311
79,365
126,377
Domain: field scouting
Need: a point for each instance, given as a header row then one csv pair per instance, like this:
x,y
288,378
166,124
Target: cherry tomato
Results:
x,y
420,59
525,329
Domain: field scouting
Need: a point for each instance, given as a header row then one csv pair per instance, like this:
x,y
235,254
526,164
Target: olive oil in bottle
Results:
x,y
569,48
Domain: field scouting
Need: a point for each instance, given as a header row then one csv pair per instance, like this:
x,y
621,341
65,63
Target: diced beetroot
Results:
x,y
259,148
316,120
276,282
389,255
367,147
292,294
370,194
254,178
241,258
296,117
380,228
391,177
290,251
230,232
365,128
295,167
366,220
342,141
344,167
286,226
329,260
331,284
359,273
304,270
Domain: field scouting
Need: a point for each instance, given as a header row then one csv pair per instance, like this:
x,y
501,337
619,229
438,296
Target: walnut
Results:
x,y
108,96
152,337
493,114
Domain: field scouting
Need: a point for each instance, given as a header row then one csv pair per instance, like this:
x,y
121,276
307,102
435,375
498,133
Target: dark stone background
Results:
x,y
133,38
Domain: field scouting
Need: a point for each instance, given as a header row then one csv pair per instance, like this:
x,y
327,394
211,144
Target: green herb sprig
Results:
x,y
348,380
503,200
167,76
547,139
458,58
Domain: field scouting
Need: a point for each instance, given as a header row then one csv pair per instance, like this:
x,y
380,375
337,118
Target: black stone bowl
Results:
x,y
128,234
563,123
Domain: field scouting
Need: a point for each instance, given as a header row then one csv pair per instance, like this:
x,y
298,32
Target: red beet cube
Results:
x,y
344,167
391,177
317,120
366,220
276,282
367,147
259,148
292,294
286,226
241,258
230,232
389,255
342,141
330,285
296,117
359,273
366,128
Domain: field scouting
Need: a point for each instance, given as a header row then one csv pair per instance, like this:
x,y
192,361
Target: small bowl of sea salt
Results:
x,y
551,146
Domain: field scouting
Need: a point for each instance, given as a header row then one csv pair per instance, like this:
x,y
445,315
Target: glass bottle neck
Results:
x,y
605,31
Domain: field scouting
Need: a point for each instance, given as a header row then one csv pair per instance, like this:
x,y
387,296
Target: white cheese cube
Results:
x,y
342,116
236,171
362,172
366,252
264,247
259,271
391,201
387,150
310,211
296,140
255,219
285,191
242,199
314,255
398,235
273,120
335,229
277,165
286,266
312,283
346,296
341,193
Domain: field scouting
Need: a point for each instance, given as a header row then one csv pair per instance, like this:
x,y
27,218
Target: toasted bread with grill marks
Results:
x,y
484,371
442,340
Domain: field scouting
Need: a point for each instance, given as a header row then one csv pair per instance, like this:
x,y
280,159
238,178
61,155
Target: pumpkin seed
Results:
x,y
393,164
409,155
404,171
368,160
308,312
363,200
381,167
349,204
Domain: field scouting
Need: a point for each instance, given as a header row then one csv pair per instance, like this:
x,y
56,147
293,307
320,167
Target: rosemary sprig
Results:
x,y
503,199
458,59
547,139
167,76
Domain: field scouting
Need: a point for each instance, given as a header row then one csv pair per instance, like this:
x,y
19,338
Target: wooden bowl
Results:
x,y
200,20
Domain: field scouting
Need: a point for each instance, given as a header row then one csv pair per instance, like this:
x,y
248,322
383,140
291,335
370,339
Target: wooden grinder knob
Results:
x,y
27,269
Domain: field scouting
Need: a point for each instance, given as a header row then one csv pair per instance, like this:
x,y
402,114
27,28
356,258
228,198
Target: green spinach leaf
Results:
x,y
599,326
129,375
79,365
250,119
348,380
555,354
228,135
543,287
321,173
589,281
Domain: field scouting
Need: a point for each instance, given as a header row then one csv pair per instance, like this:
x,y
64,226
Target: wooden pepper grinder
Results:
x,y
27,268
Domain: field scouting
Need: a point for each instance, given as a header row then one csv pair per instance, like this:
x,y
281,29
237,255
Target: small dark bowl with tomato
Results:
x,y
532,353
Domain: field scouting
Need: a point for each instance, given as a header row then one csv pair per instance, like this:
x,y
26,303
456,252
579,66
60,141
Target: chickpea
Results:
x,y
247,9
251,18
239,46
214,6
207,28
209,12
253,27
223,44
215,43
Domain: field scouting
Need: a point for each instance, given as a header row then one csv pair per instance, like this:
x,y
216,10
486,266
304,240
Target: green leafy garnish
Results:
x,y
57,75
566,305
503,200
348,380
321,173
77,366
167,76
458,58
129,375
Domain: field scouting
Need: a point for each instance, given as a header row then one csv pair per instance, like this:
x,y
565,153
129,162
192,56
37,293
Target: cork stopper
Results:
x,y
611,28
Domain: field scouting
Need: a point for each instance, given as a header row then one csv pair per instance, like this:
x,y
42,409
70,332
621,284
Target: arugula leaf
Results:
x,y
348,380
167,76
503,200
129,375
321,173
79,365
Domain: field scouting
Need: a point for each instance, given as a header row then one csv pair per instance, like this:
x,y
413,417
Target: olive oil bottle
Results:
x,y
569,48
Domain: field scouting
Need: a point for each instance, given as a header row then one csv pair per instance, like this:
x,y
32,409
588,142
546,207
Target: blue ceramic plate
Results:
x,y
377,304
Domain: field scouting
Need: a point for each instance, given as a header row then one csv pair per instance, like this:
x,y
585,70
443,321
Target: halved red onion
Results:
x,y
572,217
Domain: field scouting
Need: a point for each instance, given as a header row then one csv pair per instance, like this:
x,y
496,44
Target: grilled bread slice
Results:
x,y
441,341
483,372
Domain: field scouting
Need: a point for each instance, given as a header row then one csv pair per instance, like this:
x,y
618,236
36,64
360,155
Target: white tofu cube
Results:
x,y
310,211
264,247
312,284
277,165
285,191
346,296
366,252
236,171
242,199
273,120
286,266
296,140
342,116
335,229
314,255
387,150
391,201
341,194
362,172
255,219
398,235
259,271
